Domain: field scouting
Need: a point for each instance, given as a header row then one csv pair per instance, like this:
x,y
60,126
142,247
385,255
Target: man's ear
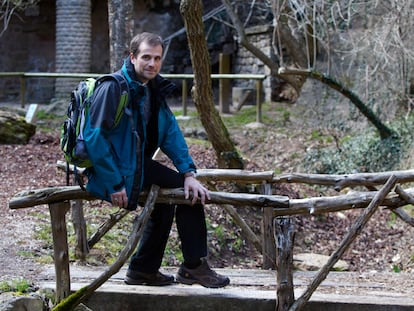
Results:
x,y
132,58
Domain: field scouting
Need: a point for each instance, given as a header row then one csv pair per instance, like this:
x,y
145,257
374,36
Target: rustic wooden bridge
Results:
x,y
277,245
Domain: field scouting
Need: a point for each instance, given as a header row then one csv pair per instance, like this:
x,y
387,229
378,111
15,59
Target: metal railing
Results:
x,y
23,76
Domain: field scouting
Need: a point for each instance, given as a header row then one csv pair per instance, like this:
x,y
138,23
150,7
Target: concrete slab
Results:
x,y
249,290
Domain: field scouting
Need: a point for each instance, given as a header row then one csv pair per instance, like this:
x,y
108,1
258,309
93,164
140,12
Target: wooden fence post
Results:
x,y
184,96
79,225
60,247
259,88
268,240
224,84
284,237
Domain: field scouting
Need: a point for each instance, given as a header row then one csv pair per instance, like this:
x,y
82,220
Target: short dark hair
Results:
x,y
151,38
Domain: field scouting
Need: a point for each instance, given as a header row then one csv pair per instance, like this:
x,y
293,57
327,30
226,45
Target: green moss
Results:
x,y
70,302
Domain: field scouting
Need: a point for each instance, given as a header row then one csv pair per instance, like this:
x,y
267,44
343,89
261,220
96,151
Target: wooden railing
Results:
x,y
279,225
23,76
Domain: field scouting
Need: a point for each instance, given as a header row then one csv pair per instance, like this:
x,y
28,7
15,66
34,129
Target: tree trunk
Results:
x,y
121,27
227,154
73,42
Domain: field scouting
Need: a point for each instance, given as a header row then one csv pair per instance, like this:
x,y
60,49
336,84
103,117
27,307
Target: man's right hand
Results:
x,y
120,199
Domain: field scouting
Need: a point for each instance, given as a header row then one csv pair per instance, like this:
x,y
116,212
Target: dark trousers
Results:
x,y
190,221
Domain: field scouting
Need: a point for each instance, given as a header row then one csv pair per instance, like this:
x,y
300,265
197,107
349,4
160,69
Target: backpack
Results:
x,y
71,138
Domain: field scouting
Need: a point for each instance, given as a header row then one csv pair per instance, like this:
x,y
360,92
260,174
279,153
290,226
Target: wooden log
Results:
x,y
351,200
30,198
284,232
237,199
235,175
337,181
348,239
138,228
282,206
60,248
206,175
268,239
340,182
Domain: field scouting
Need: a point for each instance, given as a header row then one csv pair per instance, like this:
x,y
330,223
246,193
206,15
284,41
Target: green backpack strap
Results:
x,y
125,94
123,102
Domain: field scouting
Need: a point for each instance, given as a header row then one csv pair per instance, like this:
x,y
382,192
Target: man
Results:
x,y
123,165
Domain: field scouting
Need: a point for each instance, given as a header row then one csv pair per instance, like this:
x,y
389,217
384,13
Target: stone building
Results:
x,y
30,43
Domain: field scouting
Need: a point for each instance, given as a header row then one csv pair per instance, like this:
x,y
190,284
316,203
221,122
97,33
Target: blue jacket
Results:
x,y
118,153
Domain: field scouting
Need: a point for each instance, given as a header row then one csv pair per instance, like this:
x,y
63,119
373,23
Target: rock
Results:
x,y
14,129
313,262
11,302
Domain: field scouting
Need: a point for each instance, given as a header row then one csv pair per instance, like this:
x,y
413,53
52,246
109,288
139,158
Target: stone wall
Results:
x,y
246,63
28,45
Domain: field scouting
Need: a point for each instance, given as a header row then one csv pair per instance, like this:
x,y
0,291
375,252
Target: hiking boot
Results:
x,y
150,279
202,275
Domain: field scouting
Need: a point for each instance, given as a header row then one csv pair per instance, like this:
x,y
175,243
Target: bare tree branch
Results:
x,y
384,131
9,8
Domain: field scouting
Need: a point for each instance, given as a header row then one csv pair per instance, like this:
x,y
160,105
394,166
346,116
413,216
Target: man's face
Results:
x,y
148,61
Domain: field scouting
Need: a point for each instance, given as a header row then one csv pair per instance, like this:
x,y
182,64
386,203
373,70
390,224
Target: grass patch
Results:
x,y
20,286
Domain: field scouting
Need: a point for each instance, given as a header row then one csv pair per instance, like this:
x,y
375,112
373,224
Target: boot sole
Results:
x,y
130,281
186,281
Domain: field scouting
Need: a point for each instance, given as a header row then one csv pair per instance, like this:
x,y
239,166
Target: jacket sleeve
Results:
x,y
173,144
99,123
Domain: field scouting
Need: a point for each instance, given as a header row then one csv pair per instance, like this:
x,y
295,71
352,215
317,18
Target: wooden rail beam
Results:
x,y
30,198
